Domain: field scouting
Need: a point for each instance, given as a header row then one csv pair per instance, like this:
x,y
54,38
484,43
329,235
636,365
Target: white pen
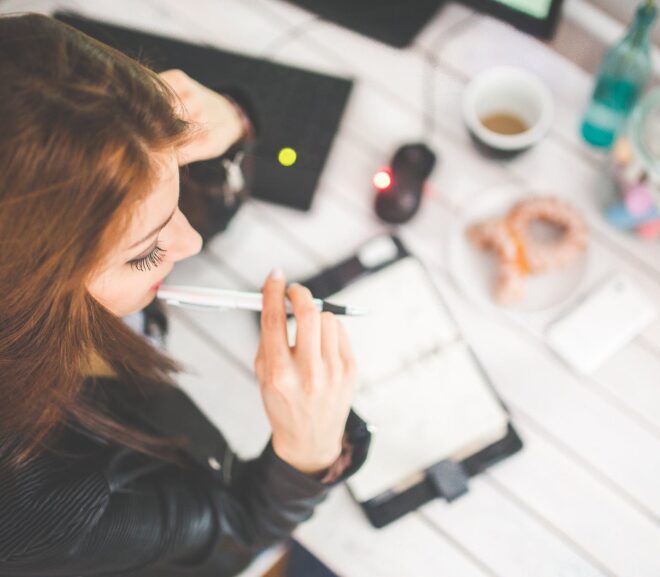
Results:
x,y
219,299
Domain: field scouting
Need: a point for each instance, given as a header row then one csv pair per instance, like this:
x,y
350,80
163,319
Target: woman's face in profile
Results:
x,y
158,235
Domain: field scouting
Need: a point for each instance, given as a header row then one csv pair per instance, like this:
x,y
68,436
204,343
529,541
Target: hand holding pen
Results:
x,y
306,389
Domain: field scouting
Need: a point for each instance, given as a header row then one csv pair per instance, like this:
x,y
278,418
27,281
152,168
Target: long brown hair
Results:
x,y
79,123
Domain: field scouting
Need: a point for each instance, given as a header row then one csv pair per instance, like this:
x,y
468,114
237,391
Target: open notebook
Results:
x,y
420,385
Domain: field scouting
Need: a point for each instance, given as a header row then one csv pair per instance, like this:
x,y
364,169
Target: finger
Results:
x,y
273,317
330,340
345,348
177,79
259,362
308,322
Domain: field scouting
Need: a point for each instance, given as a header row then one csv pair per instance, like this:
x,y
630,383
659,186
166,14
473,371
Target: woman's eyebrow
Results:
x,y
154,231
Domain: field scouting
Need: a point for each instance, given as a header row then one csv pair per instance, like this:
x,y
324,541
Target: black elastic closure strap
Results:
x,y
449,479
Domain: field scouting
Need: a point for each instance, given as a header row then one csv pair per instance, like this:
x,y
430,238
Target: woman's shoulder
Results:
x,y
73,453
69,456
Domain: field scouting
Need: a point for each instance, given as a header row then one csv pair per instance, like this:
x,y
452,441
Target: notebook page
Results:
x,y
440,408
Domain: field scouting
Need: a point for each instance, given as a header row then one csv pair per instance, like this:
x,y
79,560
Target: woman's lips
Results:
x,y
156,286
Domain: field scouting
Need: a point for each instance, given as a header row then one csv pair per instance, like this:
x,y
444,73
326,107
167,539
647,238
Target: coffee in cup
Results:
x,y
507,110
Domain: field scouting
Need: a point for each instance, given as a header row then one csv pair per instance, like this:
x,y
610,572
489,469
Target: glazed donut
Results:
x,y
494,236
544,256
519,254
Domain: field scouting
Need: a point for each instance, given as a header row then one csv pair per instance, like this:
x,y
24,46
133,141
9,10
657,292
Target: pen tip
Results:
x,y
356,311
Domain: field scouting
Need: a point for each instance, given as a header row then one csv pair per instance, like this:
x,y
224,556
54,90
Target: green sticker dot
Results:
x,y
287,156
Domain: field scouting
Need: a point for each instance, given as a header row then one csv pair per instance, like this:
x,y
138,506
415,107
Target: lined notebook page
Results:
x,y
419,384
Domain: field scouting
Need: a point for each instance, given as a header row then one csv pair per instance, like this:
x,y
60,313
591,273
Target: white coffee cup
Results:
x,y
506,90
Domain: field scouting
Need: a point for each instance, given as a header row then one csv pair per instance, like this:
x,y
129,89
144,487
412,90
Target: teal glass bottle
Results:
x,y
621,79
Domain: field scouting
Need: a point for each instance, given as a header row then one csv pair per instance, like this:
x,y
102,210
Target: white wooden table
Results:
x,y
583,498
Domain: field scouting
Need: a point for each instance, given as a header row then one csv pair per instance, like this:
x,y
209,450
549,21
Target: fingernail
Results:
x,y
277,273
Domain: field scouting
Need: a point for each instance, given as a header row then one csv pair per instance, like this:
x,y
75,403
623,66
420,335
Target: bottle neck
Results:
x,y
639,32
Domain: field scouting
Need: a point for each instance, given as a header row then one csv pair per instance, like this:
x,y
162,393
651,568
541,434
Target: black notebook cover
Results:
x,y
446,479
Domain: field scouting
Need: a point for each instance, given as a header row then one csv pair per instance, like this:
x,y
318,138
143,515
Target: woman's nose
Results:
x,y
187,241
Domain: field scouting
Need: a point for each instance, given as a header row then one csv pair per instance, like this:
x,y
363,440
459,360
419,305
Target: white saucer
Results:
x,y
474,270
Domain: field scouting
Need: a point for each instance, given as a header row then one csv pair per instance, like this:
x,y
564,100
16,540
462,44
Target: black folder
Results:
x,y
446,479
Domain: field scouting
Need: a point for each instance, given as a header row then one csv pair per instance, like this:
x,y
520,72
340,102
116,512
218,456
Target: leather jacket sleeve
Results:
x,y
131,514
168,516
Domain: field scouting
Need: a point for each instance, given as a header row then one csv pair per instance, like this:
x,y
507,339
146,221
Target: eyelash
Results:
x,y
154,258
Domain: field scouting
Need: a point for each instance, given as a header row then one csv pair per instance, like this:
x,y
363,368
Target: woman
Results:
x,y
106,468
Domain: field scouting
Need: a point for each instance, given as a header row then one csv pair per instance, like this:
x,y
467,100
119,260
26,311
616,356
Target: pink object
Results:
x,y
649,230
637,199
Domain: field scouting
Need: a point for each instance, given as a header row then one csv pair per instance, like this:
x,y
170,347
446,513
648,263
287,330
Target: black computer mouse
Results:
x,y
400,199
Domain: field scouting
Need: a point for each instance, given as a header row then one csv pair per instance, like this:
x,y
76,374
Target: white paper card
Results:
x,y
602,323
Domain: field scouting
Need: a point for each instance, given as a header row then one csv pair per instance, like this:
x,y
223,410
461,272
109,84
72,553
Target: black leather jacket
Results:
x,y
89,508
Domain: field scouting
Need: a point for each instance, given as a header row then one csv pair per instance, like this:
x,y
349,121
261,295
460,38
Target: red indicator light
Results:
x,y
382,179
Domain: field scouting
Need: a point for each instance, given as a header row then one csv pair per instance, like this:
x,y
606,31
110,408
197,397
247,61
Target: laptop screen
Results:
x,y
535,8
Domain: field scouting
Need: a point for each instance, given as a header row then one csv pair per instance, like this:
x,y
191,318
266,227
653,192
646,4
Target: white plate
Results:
x,y
474,270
